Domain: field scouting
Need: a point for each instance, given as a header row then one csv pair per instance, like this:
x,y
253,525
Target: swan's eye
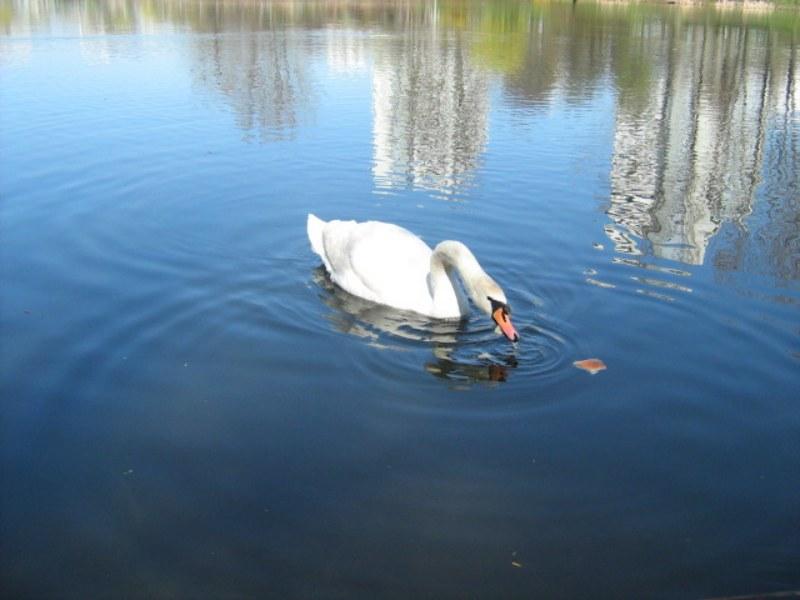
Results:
x,y
501,305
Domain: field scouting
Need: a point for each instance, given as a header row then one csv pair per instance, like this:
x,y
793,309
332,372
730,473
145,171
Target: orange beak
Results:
x,y
500,316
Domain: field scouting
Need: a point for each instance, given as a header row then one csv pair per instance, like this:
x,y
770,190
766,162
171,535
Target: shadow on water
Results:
x,y
461,353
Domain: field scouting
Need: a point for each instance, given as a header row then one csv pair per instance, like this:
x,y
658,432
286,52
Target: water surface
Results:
x,y
191,408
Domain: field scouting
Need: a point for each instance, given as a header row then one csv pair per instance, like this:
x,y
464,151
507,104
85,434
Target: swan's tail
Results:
x,y
314,227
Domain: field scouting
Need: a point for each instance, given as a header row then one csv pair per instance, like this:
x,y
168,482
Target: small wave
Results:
x,y
461,352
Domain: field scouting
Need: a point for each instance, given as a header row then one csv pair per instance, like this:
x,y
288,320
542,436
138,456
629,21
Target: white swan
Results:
x,y
389,265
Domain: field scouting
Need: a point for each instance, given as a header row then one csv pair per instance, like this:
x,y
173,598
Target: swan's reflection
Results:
x,y
449,339
447,368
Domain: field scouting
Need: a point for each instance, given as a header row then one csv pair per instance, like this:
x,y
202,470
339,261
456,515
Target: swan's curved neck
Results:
x,y
449,258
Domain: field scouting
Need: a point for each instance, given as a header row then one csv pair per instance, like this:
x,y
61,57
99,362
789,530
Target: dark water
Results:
x,y
191,409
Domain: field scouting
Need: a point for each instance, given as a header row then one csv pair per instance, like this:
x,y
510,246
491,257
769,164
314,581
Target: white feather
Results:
x,y
390,265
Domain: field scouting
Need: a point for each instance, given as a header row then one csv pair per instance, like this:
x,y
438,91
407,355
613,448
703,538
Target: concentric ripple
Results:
x,y
462,352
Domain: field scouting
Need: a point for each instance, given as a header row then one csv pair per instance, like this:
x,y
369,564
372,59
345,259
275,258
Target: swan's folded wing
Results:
x,y
337,238
386,264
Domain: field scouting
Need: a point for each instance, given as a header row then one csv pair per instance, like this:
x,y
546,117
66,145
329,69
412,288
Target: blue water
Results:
x,y
190,408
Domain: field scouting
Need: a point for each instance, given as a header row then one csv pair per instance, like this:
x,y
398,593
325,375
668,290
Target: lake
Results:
x,y
191,408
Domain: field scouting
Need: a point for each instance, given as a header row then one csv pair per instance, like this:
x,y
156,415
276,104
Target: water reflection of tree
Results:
x,y
706,122
261,75
430,108
698,119
691,157
770,244
566,55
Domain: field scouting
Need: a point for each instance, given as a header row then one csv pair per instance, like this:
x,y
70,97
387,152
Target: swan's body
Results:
x,y
390,265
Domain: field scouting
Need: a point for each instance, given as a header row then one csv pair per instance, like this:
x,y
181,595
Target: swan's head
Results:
x,y
484,291
501,314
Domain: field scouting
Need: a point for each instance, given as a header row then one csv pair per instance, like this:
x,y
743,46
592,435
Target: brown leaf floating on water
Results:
x,y
593,365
